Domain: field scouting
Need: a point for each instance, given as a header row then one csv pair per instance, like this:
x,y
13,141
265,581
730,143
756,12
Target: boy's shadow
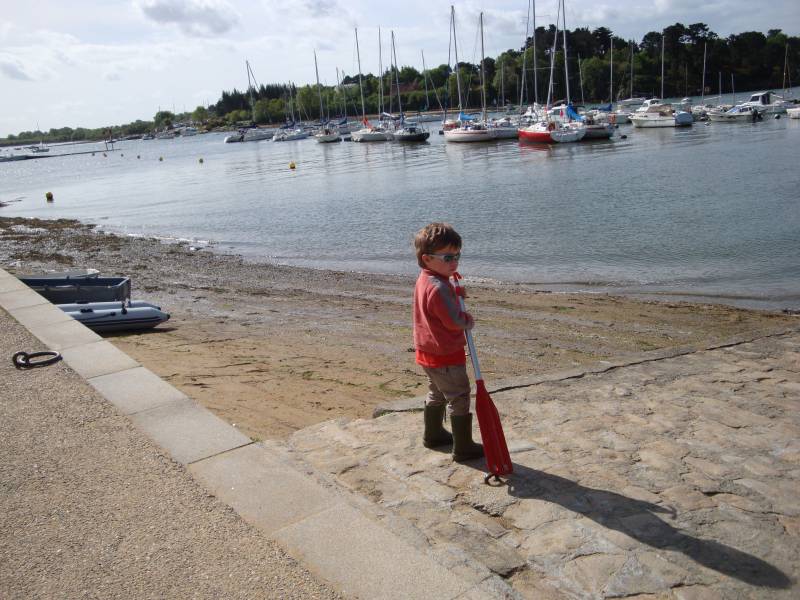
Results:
x,y
637,519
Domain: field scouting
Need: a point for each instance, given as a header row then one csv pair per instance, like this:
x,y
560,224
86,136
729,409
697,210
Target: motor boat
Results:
x,y
290,135
252,134
411,132
654,113
116,316
468,131
739,113
41,148
631,104
768,103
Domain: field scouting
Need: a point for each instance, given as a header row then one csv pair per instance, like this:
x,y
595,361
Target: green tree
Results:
x,y
200,114
164,118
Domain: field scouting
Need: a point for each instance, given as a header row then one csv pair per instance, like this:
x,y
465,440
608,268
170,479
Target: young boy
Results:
x,y
439,325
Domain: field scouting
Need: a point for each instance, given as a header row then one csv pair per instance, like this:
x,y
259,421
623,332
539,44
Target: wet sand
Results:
x,y
274,349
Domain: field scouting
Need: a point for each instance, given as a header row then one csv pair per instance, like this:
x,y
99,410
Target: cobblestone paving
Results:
x,y
674,478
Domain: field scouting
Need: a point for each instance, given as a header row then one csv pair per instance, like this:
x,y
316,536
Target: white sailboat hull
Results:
x,y
369,135
460,135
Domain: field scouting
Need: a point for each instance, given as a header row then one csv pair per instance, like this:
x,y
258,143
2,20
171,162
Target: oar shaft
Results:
x,y
473,355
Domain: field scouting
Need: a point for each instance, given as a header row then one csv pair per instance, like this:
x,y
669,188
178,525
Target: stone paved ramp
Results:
x,y
673,478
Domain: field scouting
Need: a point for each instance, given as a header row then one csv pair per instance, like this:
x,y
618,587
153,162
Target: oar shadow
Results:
x,y
638,519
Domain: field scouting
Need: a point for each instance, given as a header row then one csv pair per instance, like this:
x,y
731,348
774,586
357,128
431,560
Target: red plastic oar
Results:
x,y
494,440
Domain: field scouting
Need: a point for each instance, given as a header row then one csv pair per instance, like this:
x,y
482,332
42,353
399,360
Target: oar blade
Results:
x,y
498,459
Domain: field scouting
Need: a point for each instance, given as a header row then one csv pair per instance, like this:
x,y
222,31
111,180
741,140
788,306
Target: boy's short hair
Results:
x,y
434,236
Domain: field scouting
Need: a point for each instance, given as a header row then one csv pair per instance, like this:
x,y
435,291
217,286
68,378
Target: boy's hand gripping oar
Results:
x,y
494,441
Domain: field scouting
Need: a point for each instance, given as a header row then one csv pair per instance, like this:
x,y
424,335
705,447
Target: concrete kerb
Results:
x,y
332,532
417,403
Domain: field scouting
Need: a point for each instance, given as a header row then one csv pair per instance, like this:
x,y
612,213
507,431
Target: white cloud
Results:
x,y
13,69
94,62
201,18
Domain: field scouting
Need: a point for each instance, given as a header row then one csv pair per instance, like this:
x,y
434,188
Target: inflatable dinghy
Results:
x,y
116,316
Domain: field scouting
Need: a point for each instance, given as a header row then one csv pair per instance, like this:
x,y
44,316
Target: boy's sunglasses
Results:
x,y
448,258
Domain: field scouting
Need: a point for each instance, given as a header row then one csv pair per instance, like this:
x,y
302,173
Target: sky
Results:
x,y
94,63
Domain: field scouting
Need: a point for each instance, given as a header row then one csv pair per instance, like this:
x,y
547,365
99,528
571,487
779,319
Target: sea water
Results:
x,y
706,212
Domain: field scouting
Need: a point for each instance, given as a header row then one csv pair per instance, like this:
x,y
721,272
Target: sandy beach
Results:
x,y
273,349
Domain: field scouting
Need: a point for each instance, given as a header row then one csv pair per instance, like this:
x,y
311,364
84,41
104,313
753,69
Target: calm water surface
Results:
x,y
703,211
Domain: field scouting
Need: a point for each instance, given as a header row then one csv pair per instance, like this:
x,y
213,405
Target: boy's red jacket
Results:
x,y
439,322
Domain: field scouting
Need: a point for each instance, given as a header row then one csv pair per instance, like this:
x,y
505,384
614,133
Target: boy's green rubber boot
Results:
x,y
435,433
463,446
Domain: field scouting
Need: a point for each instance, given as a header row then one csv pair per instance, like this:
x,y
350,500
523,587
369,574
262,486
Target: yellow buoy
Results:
x,y
292,165
49,196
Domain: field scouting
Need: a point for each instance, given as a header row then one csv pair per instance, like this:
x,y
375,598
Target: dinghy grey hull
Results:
x,y
92,289
114,316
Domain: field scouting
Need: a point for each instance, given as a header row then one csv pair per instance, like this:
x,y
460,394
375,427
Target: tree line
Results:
x,y
745,61
750,60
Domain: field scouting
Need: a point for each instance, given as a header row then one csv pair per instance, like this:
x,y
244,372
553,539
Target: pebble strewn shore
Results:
x,y
274,349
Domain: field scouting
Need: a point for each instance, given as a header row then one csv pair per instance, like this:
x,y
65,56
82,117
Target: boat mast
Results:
x,y
397,81
703,91
564,34
341,91
553,58
662,65
380,76
319,88
631,68
580,78
785,69
360,86
483,82
733,90
425,80
503,84
455,48
612,72
535,85
250,90
524,57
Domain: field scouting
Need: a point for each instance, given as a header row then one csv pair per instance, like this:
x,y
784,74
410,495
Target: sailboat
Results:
x,y
252,134
408,130
600,124
326,133
291,131
427,116
468,129
624,107
558,125
367,133
654,113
